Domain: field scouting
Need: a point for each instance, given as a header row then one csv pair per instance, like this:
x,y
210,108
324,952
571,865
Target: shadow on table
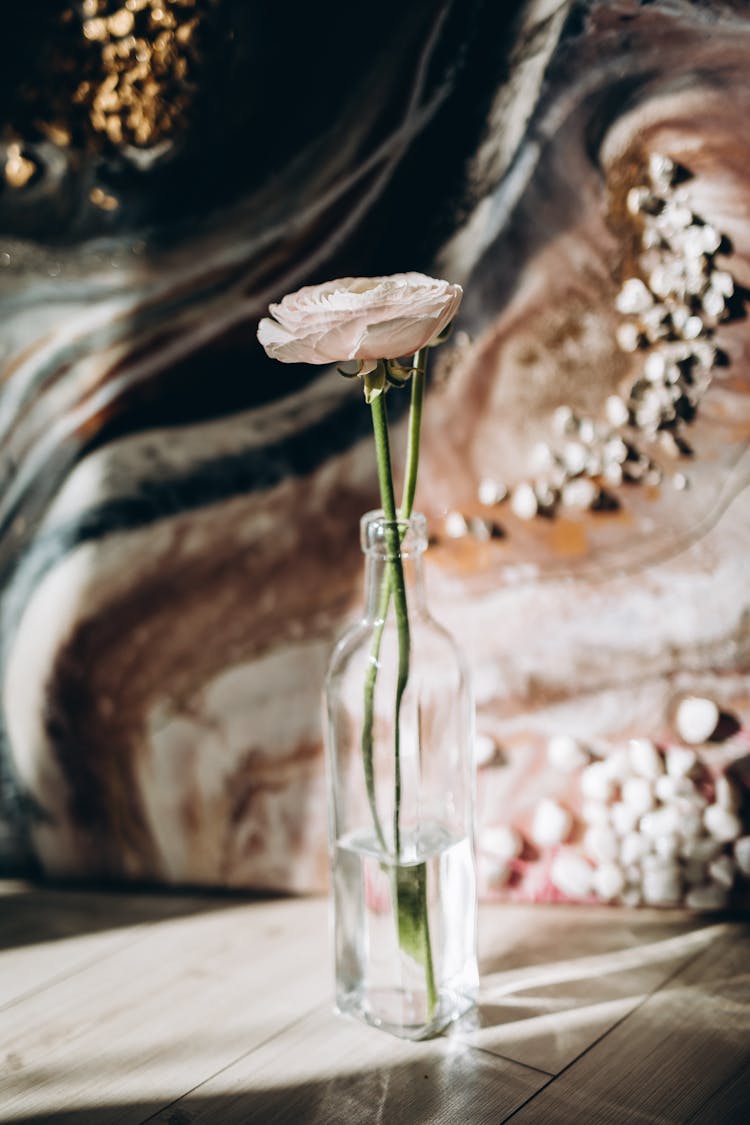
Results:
x,y
566,944
558,992
426,1091
595,956
452,1088
33,913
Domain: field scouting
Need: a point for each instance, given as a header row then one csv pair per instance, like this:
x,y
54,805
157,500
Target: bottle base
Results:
x,y
402,1013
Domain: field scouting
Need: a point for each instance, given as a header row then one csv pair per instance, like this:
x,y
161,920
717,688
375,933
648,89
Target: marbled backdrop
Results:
x,y
178,516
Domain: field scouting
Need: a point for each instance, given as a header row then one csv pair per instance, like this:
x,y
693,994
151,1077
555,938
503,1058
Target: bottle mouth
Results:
x,y
376,535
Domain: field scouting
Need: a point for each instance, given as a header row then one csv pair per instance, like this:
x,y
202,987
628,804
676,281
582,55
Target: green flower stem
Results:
x,y
369,708
415,423
407,503
396,570
410,887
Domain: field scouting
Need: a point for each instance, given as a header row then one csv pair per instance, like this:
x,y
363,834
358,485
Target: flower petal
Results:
x,y
365,318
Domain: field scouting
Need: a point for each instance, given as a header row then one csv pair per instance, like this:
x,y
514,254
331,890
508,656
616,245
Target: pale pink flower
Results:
x,y
359,318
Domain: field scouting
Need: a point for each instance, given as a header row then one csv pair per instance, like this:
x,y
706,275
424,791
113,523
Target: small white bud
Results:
x,y
491,492
727,794
696,719
662,280
638,794
680,761
633,297
455,526
628,337
574,456
624,818
501,841
615,450
713,303
664,821
637,200
710,238
565,753
668,788
742,855
601,844
669,443
667,847
693,328
616,411
617,765
655,366
722,824
564,420
645,759
546,495
662,885
594,812
580,494
722,282
541,456
492,872
485,749
551,824
608,881
722,870
651,239
661,170
523,501
634,848
676,217
595,782
689,812
571,874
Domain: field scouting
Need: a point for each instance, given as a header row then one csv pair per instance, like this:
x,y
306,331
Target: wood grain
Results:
x,y
126,1009
672,1058
327,1069
47,937
161,1015
543,1002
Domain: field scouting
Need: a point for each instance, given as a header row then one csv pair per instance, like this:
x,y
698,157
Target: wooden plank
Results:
x,y
728,1104
141,1027
48,933
326,1069
210,1011
671,1059
555,979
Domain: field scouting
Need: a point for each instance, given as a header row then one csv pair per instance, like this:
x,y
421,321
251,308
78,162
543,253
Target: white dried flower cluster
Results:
x,y
674,310
669,318
654,828
656,833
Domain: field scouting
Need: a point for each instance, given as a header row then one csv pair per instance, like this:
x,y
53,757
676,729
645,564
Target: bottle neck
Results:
x,y
378,571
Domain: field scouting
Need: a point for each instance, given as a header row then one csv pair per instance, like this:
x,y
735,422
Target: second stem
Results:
x,y
398,589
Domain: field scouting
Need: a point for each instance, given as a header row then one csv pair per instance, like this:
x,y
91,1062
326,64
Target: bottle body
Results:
x,y
399,754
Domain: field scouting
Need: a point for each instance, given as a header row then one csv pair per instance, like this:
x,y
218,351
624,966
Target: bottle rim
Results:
x,y
374,537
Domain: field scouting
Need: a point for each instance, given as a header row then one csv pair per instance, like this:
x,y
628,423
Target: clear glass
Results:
x,y
401,818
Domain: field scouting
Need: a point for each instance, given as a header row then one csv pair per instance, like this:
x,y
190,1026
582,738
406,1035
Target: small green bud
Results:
x,y
374,382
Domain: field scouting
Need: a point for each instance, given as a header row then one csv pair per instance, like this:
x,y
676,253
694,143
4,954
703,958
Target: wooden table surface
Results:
x,y
207,1009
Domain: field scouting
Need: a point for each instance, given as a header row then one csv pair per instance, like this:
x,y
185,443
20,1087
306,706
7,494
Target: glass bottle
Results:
x,y
401,811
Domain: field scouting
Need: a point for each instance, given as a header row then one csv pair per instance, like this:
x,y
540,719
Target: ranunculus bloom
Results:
x,y
359,318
